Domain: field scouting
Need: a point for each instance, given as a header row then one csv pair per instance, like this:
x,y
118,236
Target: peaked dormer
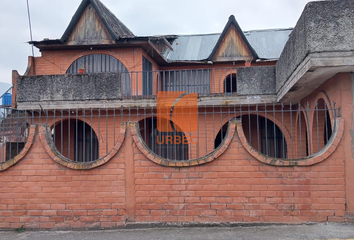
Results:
x,y
232,45
93,23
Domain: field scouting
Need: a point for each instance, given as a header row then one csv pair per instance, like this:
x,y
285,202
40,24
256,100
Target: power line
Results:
x,y
30,26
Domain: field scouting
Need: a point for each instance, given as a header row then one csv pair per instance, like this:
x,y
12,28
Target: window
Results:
x,y
321,127
159,142
147,77
328,127
96,63
220,136
262,134
76,140
230,84
14,130
302,149
191,81
99,63
273,142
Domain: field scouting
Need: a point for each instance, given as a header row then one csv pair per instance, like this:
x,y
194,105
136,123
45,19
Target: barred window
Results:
x,y
163,144
76,140
96,63
262,134
230,84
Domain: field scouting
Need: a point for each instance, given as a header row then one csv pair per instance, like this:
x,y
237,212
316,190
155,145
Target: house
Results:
x,y
108,128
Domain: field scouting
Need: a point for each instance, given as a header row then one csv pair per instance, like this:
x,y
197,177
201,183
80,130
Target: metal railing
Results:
x,y
14,127
205,82
276,130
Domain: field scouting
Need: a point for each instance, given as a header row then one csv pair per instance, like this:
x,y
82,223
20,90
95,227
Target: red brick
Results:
x,y
35,213
56,219
64,213
47,225
26,219
6,213
58,206
19,213
79,213
110,212
87,219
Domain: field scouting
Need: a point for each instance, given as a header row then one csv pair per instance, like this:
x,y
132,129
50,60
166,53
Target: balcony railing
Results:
x,y
129,85
205,82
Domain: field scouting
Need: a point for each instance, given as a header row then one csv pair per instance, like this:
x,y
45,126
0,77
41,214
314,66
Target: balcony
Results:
x,y
215,86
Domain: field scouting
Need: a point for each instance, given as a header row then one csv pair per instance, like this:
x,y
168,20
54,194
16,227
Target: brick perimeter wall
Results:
x,y
237,188
40,193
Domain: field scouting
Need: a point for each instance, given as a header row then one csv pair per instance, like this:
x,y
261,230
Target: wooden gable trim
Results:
x,y
89,30
232,45
76,18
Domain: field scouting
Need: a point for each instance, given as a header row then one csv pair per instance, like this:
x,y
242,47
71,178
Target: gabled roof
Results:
x,y
114,26
251,45
268,44
232,22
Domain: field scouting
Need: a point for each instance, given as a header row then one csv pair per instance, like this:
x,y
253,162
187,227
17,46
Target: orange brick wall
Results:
x,y
39,193
339,90
237,188
58,61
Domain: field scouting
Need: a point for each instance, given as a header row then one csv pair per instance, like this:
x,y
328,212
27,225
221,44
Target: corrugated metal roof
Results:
x,y
268,44
192,47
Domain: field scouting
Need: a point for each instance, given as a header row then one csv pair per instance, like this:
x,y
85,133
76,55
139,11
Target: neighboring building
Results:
x,y
5,97
5,88
258,125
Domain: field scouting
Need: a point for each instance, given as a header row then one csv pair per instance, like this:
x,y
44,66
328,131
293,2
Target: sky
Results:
x,y
144,18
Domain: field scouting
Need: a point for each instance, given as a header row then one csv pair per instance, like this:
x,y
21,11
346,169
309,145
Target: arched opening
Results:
x,y
230,84
262,134
14,130
302,148
170,145
97,63
321,127
76,140
221,135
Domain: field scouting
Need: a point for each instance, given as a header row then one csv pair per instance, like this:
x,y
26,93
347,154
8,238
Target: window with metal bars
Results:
x,y
272,143
76,140
262,134
163,143
230,84
101,63
147,77
190,81
96,63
